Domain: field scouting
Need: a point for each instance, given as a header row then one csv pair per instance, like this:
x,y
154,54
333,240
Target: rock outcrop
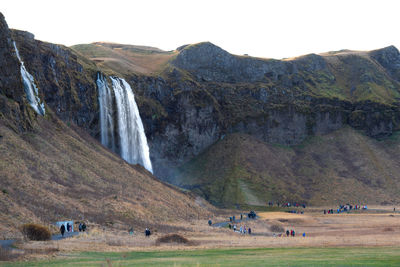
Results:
x,y
65,80
207,93
13,104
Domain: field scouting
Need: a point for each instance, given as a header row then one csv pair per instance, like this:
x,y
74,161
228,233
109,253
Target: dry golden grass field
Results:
x,y
374,228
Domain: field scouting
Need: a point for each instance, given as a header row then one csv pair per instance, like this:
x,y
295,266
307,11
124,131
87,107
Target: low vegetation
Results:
x,y
36,232
276,228
172,238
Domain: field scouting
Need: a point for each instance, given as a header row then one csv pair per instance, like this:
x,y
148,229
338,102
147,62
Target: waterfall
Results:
x,y
133,145
31,90
106,113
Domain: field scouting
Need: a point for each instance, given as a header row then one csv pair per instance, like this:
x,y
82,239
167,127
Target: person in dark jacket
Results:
x,y
147,232
83,227
62,230
287,232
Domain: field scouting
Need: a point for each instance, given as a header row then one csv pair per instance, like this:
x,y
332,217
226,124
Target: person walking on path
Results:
x,y
62,230
147,232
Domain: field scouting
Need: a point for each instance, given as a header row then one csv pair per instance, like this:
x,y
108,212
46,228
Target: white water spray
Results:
x,y
31,89
132,138
106,113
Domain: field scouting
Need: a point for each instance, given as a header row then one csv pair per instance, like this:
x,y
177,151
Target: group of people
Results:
x,y
345,208
147,232
242,229
64,229
251,215
287,204
291,233
68,228
82,227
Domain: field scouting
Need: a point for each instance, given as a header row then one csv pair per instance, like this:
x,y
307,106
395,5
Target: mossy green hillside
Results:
x,y
344,166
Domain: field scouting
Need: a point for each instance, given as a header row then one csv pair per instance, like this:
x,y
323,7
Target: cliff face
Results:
x,y
66,81
13,104
206,93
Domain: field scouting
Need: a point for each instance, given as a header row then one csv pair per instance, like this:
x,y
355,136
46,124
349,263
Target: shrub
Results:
x,y
36,232
172,238
276,228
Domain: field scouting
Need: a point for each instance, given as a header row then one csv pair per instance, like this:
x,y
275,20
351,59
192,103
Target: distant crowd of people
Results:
x,y
287,204
242,229
251,215
68,228
345,208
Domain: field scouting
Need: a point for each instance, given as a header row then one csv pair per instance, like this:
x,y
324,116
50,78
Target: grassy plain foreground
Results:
x,y
358,238
382,256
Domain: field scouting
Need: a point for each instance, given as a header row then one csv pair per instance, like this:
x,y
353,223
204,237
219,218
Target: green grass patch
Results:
x,y
382,256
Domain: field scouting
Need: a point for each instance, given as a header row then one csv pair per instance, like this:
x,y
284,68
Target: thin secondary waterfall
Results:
x,y
133,145
31,90
106,113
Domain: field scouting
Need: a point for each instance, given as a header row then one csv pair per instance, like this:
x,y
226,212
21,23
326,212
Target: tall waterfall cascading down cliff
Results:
x,y
133,145
31,90
106,113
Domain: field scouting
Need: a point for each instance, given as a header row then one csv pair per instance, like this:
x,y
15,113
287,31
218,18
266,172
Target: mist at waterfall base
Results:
x,y
31,90
133,145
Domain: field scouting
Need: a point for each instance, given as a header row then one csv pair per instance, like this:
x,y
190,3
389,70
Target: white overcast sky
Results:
x,y
274,29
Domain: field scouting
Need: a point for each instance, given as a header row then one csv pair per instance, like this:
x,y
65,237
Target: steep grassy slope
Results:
x,y
56,172
344,166
125,59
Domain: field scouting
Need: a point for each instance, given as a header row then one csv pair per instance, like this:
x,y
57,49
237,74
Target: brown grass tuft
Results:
x,y
276,228
172,238
35,232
